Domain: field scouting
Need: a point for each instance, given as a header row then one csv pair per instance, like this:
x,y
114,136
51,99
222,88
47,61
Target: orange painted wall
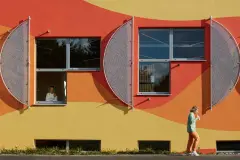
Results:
x,y
189,81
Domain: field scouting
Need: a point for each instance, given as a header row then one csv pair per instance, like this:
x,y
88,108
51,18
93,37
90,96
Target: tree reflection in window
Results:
x,y
85,53
154,77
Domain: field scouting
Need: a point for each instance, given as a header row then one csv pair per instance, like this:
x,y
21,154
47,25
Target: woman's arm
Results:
x,y
198,117
55,97
193,119
47,97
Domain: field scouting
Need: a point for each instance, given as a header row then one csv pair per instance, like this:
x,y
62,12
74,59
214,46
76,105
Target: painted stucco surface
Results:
x,y
92,111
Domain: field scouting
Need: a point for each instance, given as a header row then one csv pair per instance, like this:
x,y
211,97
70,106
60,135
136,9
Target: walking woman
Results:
x,y
193,138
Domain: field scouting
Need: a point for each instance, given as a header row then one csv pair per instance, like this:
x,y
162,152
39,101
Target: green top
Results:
x,y
191,124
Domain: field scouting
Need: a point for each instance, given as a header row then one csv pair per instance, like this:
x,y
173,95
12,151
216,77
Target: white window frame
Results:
x,y
171,59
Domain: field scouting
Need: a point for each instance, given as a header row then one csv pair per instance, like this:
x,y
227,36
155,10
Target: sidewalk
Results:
x,y
119,157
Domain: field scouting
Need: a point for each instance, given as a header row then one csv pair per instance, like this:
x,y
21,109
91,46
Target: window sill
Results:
x,y
83,69
188,60
68,70
153,94
44,103
51,69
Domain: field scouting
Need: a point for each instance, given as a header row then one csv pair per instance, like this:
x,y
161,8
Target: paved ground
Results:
x,y
145,157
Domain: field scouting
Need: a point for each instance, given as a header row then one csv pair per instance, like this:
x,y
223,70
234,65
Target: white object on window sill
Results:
x,y
50,103
153,94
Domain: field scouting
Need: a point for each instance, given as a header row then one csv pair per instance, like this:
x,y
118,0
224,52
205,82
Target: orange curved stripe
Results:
x,y
85,88
197,93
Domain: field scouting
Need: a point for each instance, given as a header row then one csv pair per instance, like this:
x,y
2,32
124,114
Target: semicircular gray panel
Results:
x,y
117,63
224,62
14,62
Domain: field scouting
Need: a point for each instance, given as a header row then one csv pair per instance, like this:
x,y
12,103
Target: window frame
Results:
x,y
65,70
36,53
68,57
153,29
155,93
46,103
171,58
186,59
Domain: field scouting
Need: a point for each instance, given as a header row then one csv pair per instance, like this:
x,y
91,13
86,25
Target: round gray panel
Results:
x,y
224,62
118,63
14,62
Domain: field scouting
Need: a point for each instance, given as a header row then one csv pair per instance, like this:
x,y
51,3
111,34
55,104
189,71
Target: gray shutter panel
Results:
x,y
14,62
117,63
224,62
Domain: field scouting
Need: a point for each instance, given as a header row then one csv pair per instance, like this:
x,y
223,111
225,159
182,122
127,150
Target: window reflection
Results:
x,y
154,77
85,53
51,53
158,47
188,43
154,43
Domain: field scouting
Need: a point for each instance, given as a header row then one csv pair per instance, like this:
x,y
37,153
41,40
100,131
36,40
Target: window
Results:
x,y
154,77
54,80
68,53
154,55
51,53
154,145
231,145
154,43
85,145
157,48
85,53
188,44
56,56
60,144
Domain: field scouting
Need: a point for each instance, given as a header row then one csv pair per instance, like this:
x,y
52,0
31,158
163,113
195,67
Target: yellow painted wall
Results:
x,y
112,125
172,9
116,126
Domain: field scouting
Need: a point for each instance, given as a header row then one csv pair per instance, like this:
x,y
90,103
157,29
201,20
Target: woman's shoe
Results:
x,y
194,153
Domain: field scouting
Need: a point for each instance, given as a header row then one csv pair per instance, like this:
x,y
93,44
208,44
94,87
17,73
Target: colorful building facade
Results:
x,y
124,72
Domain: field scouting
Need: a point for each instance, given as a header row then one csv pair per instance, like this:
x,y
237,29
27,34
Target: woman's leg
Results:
x,y
190,143
196,140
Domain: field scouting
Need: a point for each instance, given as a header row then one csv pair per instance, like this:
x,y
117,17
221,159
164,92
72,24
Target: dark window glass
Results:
x,y
85,53
154,44
233,145
57,80
154,77
85,145
60,144
154,145
188,43
51,53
